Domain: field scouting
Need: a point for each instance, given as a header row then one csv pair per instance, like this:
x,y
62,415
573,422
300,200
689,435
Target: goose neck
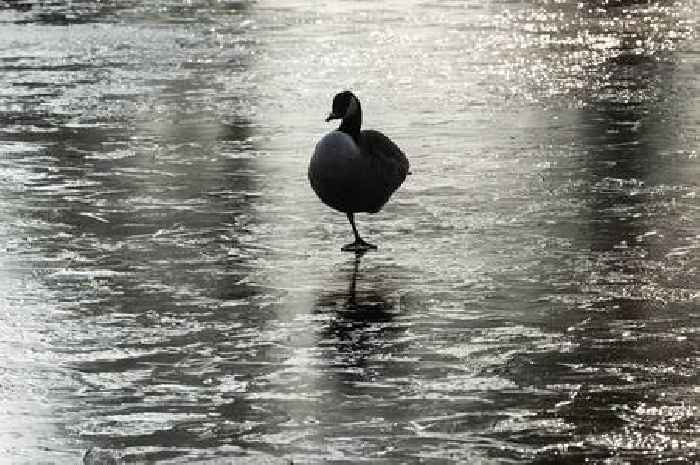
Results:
x,y
352,122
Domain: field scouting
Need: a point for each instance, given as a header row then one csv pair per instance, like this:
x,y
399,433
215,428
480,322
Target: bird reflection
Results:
x,y
362,326
370,311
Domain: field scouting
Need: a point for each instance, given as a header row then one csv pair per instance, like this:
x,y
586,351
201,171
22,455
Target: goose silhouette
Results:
x,y
355,171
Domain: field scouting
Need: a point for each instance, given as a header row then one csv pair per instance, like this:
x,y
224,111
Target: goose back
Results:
x,y
360,176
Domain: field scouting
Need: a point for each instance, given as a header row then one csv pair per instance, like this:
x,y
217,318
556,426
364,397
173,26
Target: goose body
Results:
x,y
355,171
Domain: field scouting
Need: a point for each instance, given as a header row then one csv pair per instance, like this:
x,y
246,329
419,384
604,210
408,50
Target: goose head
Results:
x,y
347,107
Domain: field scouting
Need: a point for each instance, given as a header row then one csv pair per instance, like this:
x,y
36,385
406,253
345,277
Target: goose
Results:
x,y
355,171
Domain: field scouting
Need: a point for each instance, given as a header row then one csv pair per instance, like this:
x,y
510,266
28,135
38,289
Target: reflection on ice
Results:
x,y
168,289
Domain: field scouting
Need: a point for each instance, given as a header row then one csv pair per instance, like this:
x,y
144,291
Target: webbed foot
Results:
x,y
359,246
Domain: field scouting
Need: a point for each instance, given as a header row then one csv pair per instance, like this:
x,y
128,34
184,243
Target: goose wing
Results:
x,y
392,164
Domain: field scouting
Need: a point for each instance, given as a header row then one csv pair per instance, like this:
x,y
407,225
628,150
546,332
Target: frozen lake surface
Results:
x,y
170,286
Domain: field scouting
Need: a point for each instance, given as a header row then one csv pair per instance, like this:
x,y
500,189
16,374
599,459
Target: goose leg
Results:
x,y
359,245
